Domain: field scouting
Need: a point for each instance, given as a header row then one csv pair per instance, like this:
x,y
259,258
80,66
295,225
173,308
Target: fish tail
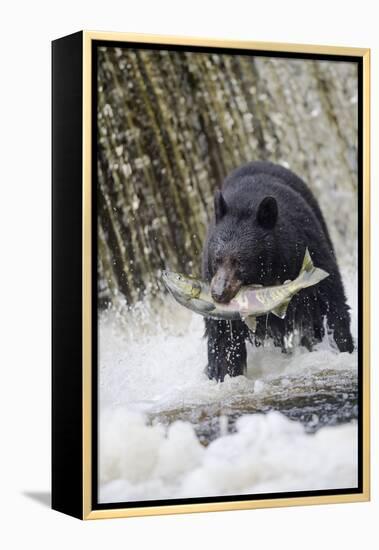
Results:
x,y
309,274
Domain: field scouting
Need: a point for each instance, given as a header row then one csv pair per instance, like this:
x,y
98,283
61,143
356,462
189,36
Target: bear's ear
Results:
x,y
267,213
220,206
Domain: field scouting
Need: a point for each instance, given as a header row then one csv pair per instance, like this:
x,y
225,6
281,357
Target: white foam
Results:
x,y
161,369
268,453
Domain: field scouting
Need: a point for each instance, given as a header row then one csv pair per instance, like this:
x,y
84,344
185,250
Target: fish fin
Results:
x,y
201,305
281,310
309,274
253,286
307,262
251,322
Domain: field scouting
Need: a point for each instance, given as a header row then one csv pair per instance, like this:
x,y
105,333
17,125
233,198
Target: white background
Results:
x,y
27,29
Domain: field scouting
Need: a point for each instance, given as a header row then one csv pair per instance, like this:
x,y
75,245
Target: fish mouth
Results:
x,y
167,280
168,276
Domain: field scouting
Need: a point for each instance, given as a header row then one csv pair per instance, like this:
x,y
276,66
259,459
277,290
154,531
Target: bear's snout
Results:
x,y
224,285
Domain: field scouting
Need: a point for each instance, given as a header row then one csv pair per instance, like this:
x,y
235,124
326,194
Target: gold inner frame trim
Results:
x,y
88,513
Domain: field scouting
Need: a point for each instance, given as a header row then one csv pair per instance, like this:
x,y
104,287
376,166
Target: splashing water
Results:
x,y
167,431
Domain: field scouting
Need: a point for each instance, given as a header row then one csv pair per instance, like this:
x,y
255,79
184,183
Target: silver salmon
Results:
x,y
250,302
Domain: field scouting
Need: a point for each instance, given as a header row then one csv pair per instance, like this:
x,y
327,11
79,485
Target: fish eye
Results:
x,y
179,278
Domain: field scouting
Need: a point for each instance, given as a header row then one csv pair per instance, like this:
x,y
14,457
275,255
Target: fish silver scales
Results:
x,y
250,302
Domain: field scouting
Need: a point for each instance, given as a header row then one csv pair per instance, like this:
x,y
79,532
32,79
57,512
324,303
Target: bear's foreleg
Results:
x,y
338,318
226,348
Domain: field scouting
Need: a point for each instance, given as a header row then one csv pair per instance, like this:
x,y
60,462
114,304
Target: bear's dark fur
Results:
x,y
265,217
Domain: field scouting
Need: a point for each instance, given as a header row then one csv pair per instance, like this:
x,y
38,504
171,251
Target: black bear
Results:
x,y
265,217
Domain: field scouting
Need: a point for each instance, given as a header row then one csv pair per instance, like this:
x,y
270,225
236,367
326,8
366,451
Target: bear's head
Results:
x,y
241,245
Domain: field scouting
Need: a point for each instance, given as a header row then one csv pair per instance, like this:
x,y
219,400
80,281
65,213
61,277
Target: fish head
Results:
x,y
181,286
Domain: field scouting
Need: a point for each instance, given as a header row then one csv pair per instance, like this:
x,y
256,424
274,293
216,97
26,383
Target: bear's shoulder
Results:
x,y
250,181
